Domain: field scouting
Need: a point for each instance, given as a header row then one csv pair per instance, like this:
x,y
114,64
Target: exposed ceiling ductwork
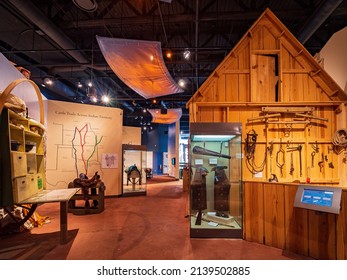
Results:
x,y
46,26
56,38
319,16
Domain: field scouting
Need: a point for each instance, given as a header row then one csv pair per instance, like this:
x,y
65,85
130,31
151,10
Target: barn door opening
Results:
x,y
264,78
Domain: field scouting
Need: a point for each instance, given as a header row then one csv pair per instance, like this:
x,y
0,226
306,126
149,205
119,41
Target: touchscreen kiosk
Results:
x,y
319,198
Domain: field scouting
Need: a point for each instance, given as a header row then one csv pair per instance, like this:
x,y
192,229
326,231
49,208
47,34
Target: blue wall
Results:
x,y
157,142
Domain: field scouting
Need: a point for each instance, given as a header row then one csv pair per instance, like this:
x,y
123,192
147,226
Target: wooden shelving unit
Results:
x,y
22,157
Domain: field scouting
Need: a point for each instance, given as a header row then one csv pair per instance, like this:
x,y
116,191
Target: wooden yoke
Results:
x,y
12,85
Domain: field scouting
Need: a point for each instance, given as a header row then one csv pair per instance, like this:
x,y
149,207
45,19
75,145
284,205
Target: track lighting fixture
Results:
x,y
86,5
168,54
186,54
48,80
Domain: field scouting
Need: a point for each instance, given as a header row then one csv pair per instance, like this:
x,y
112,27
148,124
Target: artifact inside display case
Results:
x,y
134,170
215,186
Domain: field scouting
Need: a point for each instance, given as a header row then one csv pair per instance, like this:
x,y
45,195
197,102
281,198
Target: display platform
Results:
x,y
62,196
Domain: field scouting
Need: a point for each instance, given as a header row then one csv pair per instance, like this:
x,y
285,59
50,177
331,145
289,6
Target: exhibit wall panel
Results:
x,y
173,149
83,139
334,58
131,135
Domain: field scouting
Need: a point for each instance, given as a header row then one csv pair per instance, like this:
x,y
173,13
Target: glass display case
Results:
x,y
215,180
134,170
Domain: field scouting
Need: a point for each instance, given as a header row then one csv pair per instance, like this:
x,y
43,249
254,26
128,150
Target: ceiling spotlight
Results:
x,y
105,99
145,128
86,5
168,54
151,57
181,83
90,84
186,54
79,84
48,81
144,110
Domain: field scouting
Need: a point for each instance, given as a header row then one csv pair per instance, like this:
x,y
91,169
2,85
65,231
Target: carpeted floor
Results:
x,y
160,179
151,227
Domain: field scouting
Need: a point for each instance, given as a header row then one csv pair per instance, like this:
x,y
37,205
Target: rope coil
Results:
x,y
340,138
250,144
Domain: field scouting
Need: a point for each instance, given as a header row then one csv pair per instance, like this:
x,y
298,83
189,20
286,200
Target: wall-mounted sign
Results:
x,y
212,161
109,161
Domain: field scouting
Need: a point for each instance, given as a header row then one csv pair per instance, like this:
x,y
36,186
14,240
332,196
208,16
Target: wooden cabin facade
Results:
x,y
293,115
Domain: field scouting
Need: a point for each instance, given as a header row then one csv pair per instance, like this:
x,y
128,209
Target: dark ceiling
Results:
x,y
58,39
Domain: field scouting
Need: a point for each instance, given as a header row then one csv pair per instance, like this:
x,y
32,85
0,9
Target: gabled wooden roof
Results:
x,y
269,36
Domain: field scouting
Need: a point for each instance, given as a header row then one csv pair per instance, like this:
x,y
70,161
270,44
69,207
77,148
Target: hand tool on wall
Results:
x,y
315,147
280,158
292,149
321,163
291,170
300,149
270,149
312,159
330,164
250,145
273,178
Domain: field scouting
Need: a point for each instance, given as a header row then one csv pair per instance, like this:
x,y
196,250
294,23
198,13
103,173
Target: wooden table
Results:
x,y
59,195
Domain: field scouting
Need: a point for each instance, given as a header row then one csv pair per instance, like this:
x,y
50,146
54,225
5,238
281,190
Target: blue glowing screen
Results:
x,y
318,197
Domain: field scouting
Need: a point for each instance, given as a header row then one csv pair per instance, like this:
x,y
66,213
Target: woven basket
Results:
x,y
4,96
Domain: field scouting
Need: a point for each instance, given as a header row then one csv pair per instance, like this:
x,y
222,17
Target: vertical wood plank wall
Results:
x,y
270,218
253,212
